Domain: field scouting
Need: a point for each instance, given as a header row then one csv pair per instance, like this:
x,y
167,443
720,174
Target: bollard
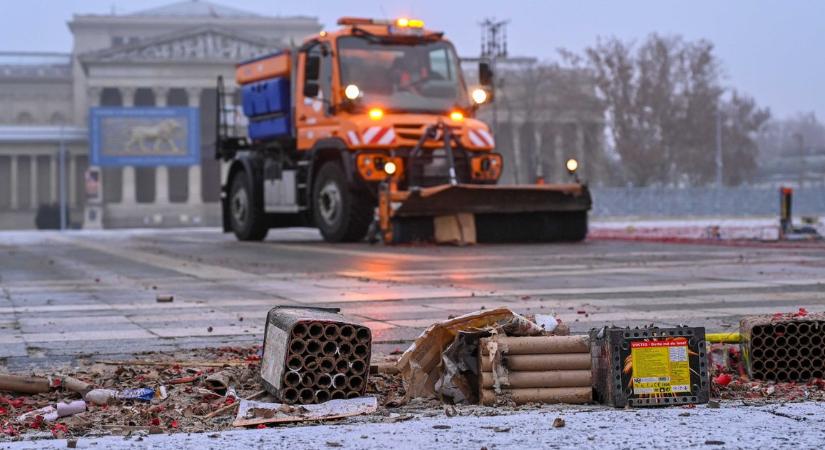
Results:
x,y
785,212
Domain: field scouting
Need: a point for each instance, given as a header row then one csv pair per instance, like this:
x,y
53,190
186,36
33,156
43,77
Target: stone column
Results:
x,y
54,177
516,153
539,154
72,178
559,158
93,94
161,172
129,191
580,148
194,195
33,182
14,202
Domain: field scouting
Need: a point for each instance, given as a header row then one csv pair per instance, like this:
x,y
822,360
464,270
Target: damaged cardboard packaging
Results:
x,y
445,360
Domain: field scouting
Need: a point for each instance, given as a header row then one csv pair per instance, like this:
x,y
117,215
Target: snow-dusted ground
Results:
x,y
766,229
799,426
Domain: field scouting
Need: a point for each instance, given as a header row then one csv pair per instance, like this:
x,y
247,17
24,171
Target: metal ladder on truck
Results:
x,y
230,124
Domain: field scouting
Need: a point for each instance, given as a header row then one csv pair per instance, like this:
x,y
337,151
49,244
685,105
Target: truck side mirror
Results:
x,y
485,74
311,89
313,68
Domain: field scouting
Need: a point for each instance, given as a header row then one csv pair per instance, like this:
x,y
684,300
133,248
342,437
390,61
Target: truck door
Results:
x,y
314,118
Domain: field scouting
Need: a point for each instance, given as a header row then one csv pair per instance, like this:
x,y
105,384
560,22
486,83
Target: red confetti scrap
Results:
x,y
3,411
723,379
16,403
229,400
59,428
37,422
261,426
802,312
173,424
253,358
155,421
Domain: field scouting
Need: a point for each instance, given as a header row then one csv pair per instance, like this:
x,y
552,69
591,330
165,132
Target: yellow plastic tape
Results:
x,y
732,337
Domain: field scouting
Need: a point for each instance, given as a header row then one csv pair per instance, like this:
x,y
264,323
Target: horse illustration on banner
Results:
x,y
164,132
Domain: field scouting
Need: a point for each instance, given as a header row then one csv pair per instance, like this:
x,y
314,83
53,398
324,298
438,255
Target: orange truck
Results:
x,y
370,131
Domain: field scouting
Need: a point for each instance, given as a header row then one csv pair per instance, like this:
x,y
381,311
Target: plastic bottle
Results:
x,y
101,396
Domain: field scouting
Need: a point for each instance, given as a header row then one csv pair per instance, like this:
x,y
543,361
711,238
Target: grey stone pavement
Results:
x,y
65,296
794,426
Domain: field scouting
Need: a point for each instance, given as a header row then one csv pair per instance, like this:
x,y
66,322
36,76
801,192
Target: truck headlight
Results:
x,y
352,92
479,95
390,168
572,166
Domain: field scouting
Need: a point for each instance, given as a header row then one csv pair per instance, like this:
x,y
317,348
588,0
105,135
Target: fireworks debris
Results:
x,y
252,413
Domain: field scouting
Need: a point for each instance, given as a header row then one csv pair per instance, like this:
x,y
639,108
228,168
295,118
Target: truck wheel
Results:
x,y
246,216
341,213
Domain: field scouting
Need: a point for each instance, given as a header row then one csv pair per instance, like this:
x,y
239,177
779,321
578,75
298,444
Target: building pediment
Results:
x,y
209,44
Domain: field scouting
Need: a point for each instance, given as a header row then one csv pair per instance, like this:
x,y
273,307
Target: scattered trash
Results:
x,y
547,322
71,443
558,422
254,413
784,347
558,369
24,385
311,355
650,366
723,379
108,396
75,385
421,367
52,413
164,298
220,381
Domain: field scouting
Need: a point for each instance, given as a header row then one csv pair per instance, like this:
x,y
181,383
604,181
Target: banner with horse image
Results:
x,y
144,136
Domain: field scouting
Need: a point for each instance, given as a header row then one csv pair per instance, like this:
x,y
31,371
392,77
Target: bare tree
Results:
x,y
662,99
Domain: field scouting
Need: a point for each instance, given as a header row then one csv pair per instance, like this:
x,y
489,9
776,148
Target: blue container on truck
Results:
x,y
265,97
269,127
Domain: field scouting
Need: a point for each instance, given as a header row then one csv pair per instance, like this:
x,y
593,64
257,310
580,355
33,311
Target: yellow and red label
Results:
x,y
660,367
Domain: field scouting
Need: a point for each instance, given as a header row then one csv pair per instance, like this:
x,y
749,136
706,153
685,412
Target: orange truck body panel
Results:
x,y
271,66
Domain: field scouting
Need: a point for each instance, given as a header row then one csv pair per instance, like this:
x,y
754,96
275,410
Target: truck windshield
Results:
x,y
416,76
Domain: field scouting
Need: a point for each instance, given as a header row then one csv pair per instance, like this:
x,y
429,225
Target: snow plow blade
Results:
x,y
516,213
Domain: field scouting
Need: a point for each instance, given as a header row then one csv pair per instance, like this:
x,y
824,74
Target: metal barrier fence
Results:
x,y
698,202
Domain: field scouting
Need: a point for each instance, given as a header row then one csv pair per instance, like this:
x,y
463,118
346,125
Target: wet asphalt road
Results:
x,y
78,294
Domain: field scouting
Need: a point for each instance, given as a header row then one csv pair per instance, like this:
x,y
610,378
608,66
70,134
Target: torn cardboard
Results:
x,y
251,412
421,365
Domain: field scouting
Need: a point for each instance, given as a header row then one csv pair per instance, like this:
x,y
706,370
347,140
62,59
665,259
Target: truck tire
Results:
x,y
246,215
341,213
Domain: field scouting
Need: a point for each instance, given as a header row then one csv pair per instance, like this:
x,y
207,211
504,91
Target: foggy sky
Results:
x,y
771,49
